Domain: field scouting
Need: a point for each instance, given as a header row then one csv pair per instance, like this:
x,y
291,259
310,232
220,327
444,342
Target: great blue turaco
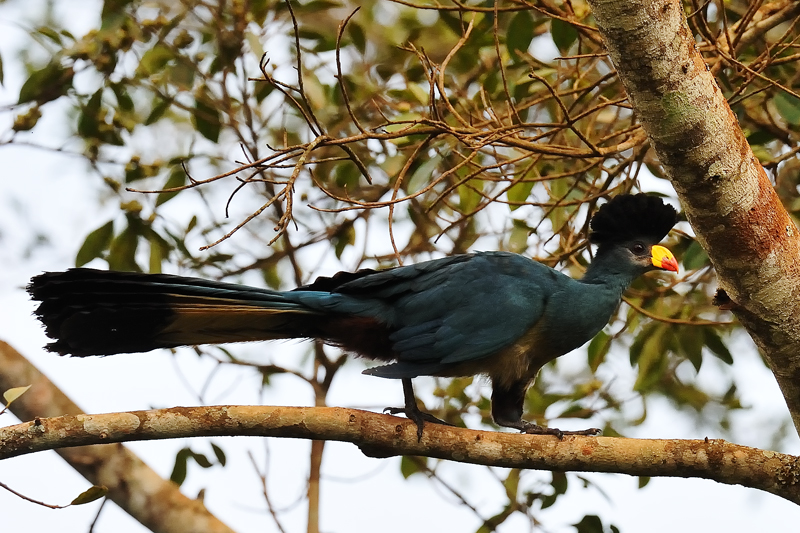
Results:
x,y
498,314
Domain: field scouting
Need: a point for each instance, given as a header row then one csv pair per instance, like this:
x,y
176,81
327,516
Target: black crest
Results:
x,y
632,216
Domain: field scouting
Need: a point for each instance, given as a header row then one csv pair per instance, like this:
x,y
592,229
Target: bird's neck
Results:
x,y
582,307
612,275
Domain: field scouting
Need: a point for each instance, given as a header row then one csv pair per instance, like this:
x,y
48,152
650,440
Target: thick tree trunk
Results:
x,y
728,199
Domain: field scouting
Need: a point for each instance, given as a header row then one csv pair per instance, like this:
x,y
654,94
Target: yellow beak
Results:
x,y
663,259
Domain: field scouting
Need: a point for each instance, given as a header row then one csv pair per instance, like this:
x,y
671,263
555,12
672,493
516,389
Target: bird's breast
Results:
x,y
522,360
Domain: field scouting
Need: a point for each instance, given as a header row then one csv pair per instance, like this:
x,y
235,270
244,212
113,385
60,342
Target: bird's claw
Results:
x,y
416,416
534,429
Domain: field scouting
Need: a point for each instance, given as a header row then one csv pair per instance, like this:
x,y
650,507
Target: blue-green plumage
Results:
x,y
492,313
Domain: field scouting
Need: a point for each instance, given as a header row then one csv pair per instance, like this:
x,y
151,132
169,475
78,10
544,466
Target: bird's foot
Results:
x,y
412,411
417,416
535,429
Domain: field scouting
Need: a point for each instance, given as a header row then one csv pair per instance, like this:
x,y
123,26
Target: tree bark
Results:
x,y
155,502
726,195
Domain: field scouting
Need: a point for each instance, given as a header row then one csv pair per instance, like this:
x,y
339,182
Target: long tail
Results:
x,y
95,312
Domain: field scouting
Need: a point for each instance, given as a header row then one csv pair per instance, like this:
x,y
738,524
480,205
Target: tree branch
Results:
x,y
379,435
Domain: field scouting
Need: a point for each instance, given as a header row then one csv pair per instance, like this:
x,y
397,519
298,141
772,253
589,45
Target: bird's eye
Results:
x,y
638,248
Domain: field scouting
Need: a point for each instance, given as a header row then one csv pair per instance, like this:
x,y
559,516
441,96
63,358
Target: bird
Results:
x,y
492,313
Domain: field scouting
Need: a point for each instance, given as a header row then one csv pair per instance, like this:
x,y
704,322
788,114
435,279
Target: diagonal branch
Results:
x,y
155,502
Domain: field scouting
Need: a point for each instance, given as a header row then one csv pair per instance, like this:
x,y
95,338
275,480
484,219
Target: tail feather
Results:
x,y
93,312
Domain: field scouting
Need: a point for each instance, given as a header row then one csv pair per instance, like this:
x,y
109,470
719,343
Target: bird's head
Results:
x,y
629,227
643,255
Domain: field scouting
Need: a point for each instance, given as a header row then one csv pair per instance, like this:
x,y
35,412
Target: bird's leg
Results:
x,y
507,412
412,411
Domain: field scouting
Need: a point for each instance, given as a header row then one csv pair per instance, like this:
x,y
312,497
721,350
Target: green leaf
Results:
x,y
259,9
50,33
158,111
468,195
346,175
201,460
155,60
177,178
263,89
358,36
511,483
695,257
520,33
455,392
95,243
271,276
643,481
220,455
589,524
560,482
423,174
690,342
788,106
421,94
134,170
316,6
122,251
411,465
649,352
206,118
180,245
452,22
598,349
89,121
651,367
519,192
760,137
714,343
404,118
95,492
124,100
548,500
159,250
113,12
564,34
12,394
637,345
157,257
182,75
254,42
343,238
46,84
180,469
518,237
